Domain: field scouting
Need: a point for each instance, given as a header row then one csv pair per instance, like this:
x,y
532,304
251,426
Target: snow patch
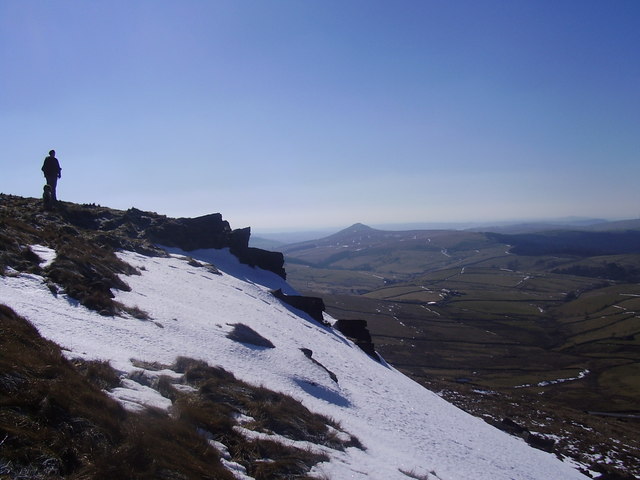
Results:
x,y
46,254
136,397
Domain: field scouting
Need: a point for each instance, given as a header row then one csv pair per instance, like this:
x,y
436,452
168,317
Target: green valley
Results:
x,y
528,326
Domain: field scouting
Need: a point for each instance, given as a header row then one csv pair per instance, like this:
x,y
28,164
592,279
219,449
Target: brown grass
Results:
x,y
268,460
272,412
86,268
220,395
56,421
99,373
88,273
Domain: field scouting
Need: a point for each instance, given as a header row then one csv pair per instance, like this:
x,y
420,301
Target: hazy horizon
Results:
x,y
574,220
306,115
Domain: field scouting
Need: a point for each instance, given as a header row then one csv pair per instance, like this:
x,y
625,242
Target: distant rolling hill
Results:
x,y
376,258
546,324
394,254
617,225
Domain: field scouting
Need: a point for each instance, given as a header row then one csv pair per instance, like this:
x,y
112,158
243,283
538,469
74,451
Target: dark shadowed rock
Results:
x,y
240,239
358,332
540,442
309,354
208,231
255,257
536,441
314,306
509,426
245,334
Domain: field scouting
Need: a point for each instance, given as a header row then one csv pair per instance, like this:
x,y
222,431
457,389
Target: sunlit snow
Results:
x,y
403,426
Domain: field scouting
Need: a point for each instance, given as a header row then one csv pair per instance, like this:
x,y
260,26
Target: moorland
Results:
x,y
537,331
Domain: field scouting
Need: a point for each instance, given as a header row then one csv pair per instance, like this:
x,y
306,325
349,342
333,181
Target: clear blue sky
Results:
x,y
302,113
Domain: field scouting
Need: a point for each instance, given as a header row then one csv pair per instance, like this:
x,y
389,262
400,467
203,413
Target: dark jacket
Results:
x,y
51,167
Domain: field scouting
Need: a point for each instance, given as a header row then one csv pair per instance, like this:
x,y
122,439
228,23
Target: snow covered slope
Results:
x,y
403,426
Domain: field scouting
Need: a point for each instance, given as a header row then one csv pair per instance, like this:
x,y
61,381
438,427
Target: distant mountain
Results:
x,y
569,223
359,235
386,251
358,228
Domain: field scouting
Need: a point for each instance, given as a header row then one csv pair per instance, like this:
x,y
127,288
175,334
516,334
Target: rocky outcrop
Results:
x,y
208,231
314,306
256,257
536,441
357,331
137,230
86,237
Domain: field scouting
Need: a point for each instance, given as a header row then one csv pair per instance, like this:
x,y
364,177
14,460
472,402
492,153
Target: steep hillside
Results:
x,y
200,345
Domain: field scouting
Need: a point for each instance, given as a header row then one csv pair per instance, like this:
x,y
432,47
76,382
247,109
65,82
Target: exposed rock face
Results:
x,y
314,306
86,236
256,257
357,331
208,231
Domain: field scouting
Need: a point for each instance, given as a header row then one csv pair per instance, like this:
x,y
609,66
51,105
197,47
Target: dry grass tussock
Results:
x,y
88,273
270,412
57,422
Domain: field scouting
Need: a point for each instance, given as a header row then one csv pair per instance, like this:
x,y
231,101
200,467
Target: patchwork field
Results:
x,y
462,314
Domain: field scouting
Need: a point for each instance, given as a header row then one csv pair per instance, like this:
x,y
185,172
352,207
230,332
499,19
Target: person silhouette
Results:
x,y
52,172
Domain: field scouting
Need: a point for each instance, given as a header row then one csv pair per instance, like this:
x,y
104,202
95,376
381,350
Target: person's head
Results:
x,y
52,153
